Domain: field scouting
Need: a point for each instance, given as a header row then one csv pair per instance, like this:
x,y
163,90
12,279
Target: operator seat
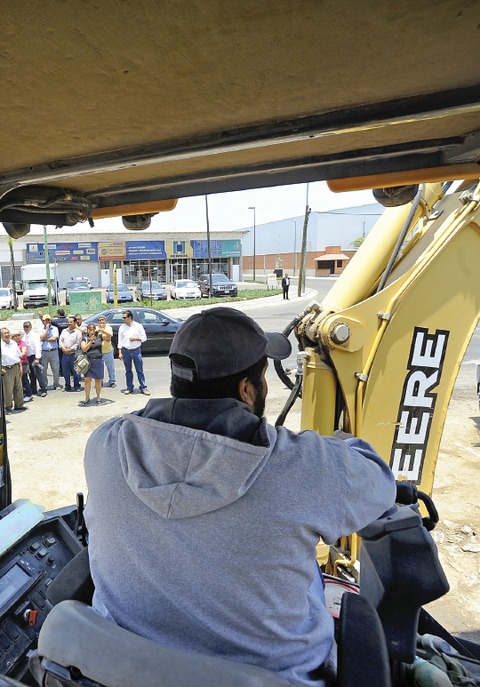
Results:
x,y
76,643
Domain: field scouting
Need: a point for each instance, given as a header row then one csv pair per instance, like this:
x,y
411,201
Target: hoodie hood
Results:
x,y
185,457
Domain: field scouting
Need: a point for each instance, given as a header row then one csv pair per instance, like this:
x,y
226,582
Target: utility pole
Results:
x,y
12,273
47,269
254,239
303,258
209,249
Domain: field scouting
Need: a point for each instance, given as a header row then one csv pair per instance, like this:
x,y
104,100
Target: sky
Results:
x,y
229,211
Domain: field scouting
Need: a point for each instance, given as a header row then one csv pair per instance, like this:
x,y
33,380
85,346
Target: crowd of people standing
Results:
x,y
28,355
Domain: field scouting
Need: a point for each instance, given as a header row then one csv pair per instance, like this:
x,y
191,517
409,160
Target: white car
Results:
x,y
6,298
185,288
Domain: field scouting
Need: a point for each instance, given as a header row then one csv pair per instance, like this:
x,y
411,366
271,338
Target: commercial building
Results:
x,y
95,252
82,251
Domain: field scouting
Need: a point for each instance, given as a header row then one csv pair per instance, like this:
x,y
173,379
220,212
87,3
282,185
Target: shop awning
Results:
x,y
332,256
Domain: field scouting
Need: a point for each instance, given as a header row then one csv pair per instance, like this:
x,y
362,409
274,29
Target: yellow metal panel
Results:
x,y
319,386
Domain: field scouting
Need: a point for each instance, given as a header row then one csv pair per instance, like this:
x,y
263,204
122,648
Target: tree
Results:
x,y
358,242
12,271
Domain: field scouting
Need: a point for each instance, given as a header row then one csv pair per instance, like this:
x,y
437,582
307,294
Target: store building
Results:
x,y
81,251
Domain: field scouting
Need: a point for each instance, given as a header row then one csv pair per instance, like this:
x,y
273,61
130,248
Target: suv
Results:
x,y
221,285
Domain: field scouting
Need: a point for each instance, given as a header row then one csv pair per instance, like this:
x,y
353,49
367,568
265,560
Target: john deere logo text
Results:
x,y
415,414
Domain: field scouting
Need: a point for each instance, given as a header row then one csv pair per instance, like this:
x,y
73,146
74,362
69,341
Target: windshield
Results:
x,y
186,285
37,285
120,287
155,285
219,277
77,286
4,292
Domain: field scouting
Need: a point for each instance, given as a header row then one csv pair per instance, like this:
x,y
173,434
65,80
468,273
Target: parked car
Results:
x,y
83,279
153,290
18,286
6,298
124,294
185,288
159,327
75,286
221,285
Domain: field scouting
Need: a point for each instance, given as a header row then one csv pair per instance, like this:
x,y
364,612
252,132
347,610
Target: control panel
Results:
x,y
26,571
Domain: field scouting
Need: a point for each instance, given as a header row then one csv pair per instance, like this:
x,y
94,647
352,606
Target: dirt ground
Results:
x,y
46,454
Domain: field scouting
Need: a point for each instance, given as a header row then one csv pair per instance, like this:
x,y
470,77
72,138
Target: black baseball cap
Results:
x,y
221,342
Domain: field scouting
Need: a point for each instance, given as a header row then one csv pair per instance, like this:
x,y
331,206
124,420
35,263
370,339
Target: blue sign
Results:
x,y
145,250
85,251
218,248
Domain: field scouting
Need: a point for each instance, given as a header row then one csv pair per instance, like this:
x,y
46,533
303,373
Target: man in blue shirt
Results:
x,y
226,509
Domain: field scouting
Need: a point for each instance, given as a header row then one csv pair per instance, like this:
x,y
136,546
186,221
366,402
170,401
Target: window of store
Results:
x,y
179,269
137,271
200,266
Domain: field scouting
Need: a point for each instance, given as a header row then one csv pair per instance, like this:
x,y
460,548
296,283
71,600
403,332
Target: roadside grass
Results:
x,y
244,295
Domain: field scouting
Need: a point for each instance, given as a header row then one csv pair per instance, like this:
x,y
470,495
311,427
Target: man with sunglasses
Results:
x,y
131,335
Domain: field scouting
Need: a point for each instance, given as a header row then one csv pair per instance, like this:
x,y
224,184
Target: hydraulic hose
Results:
x,y
296,389
401,238
286,332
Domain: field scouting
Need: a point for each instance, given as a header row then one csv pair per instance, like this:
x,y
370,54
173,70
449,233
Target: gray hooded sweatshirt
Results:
x,y
203,525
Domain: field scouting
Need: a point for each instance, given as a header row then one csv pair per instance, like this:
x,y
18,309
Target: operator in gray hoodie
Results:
x,y
204,519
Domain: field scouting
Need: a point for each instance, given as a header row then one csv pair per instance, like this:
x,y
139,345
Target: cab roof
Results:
x,y
118,107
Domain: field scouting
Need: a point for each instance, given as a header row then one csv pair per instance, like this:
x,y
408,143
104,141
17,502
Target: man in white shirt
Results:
x,y
34,354
11,373
131,335
69,342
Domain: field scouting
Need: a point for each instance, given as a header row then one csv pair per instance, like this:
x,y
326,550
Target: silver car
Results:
x,y
153,290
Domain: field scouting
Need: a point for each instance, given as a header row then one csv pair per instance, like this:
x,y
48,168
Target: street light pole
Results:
x,y
294,248
254,239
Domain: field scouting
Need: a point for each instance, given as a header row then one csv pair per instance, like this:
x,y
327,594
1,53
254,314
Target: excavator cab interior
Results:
x,y
121,109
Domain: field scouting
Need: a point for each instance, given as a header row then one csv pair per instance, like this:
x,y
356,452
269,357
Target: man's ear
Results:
x,y
246,392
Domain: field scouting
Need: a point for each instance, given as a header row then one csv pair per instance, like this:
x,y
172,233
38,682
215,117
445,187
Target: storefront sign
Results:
x,y
146,250
179,249
63,252
218,248
112,250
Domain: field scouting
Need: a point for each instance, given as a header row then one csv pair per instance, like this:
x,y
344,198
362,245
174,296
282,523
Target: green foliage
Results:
x,y
244,295
358,242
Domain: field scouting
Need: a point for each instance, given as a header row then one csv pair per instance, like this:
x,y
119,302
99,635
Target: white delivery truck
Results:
x,y
35,285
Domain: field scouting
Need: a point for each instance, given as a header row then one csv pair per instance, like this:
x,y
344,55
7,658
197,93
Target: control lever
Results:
x,y
80,528
408,494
